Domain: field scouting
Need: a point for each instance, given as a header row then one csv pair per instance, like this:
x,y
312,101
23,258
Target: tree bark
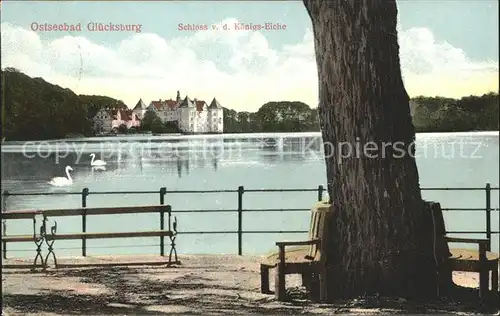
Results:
x,y
375,244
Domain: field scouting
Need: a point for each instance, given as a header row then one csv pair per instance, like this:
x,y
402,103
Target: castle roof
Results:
x,y
186,103
215,104
140,105
200,105
157,104
125,115
172,104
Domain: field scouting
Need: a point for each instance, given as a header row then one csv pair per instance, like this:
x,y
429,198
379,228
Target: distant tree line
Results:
x,y
33,109
283,116
472,113
430,114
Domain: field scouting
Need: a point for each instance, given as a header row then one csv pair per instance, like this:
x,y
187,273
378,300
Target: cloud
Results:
x,y
238,67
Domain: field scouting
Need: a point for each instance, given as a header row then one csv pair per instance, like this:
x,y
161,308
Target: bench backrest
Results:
x,y
438,229
19,214
320,217
88,211
109,210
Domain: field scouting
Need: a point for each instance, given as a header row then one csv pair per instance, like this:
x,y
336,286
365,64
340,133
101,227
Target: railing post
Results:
x,y
85,193
320,193
488,216
4,243
163,191
241,190
5,194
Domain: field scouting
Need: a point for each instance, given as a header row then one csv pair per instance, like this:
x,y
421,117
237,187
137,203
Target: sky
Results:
x,y
448,48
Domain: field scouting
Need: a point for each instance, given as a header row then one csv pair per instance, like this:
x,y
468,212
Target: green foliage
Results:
x,y
432,114
147,120
11,69
287,117
96,102
171,127
122,129
283,116
157,125
471,113
152,122
33,109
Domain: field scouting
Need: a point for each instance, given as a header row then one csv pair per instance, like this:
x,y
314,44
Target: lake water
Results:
x,y
255,161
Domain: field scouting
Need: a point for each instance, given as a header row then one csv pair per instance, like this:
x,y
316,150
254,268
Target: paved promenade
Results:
x,y
200,285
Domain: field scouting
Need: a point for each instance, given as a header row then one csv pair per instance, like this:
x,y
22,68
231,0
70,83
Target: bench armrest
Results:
x,y
282,244
467,240
297,243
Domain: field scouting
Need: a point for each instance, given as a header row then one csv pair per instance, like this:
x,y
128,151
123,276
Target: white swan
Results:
x,y
96,162
62,181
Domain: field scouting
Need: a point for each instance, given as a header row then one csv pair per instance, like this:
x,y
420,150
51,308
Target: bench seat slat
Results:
x,y
156,233
20,238
298,243
294,254
471,255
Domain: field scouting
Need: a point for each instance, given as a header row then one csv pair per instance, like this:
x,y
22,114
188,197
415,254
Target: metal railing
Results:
x,y
85,193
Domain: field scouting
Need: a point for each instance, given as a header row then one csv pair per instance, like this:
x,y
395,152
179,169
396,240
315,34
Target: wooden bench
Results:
x,y
51,236
36,237
468,260
303,257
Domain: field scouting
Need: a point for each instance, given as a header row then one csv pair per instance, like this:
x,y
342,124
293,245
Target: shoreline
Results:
x,y
175,136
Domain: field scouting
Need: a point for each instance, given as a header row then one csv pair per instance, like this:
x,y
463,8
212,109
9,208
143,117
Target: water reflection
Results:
x,y
64,189
149,157
215,163
182,164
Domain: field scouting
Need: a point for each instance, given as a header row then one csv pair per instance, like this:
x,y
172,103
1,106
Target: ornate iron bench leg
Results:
x,y
38,243
173,251
38,240
50,245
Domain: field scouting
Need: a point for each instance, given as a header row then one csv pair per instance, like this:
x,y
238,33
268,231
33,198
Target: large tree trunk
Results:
x,y
376,243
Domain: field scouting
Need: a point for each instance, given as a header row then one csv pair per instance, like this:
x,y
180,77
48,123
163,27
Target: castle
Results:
x,y
192,116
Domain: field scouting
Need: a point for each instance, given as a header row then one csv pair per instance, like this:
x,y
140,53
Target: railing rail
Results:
x,y
85,193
